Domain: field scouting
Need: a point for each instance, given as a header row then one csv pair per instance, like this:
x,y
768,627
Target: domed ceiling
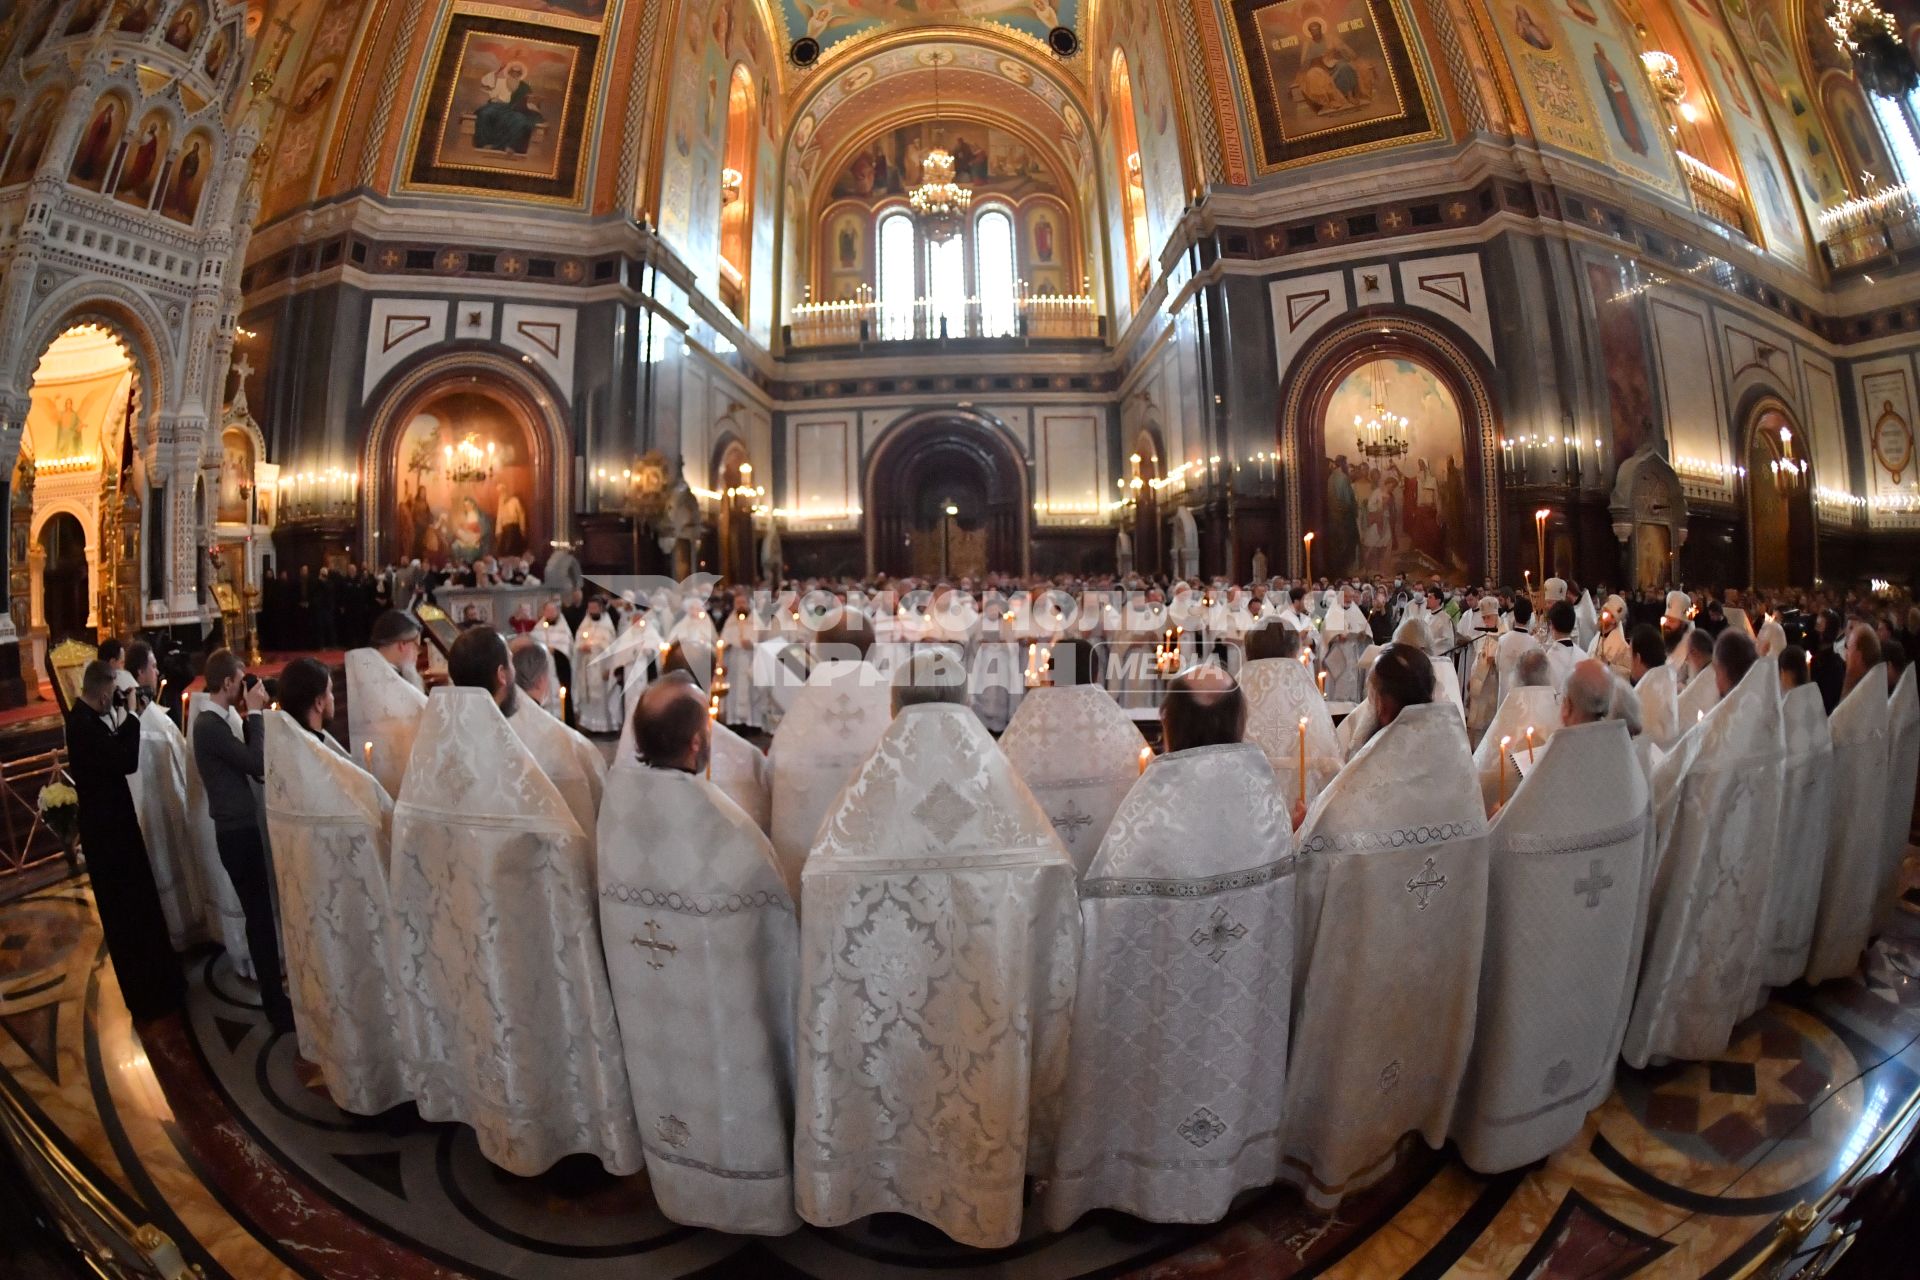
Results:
x,y
840,23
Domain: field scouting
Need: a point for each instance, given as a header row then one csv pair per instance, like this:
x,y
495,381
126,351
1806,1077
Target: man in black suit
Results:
x,y
100,756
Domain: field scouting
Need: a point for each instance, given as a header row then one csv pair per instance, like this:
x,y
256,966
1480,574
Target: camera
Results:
x,y
119,699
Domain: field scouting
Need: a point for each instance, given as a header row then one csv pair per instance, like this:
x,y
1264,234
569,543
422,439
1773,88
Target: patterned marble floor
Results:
x,y
213,1129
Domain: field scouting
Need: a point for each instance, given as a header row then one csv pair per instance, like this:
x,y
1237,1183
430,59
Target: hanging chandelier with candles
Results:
x,y
939,203
469,462
1382,433
1789,472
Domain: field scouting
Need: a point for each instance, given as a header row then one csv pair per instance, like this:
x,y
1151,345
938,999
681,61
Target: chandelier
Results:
x,y
469,462
1663,72
1789,472
1871,37
939,202
1383,433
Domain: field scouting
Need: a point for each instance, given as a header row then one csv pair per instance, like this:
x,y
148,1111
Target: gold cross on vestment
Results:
x,y
656,947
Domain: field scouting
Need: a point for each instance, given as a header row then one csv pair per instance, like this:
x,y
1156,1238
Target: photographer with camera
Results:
x,y
230,763
100,756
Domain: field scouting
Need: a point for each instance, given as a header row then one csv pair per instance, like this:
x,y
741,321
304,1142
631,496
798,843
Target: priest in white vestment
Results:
x,y
1653,685
1076,750
1280,693
1586,621
829,732
1178,1059
506,1013
573,764
702,949
597,705
1481,634
1392,917
383,708
1698,695
1344,633
939,947
329,822
1853,881
1717,813
1570,858
1676,626
1534,705
226,920
738,768
1806,819
1563,650
159,787
1610,642
1903,763
1515,644
1446,681
737,637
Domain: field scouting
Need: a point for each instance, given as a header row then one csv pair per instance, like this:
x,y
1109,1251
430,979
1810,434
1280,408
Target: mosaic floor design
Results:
x,y
213,1129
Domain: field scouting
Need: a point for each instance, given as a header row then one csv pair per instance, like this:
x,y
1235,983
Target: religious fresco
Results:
x,y
1855,132
300,142
146,155
72,418
507,108
30,142
181,199
1584,90
1761,30
1389,515
93,156
463,482
232,503
1623,351
991,161
833,22
1329,77
714,37
183,26
1133,27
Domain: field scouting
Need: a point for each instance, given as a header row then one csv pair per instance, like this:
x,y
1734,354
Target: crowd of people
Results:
x,y
959,933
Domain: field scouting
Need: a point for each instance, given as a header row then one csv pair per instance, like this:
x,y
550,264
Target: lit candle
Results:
x,y
1146,758
1307,541
1303,760
563,703
1504,744
1698,716
713,717
366,750
1529,744
1323,684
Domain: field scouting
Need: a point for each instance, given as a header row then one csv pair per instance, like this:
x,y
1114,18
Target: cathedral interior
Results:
x,y
1623,290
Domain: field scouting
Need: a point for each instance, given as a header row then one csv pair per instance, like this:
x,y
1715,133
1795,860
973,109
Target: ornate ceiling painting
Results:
x,y
895,86
841,24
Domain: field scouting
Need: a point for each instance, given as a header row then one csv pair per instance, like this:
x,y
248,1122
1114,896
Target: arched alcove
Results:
x,y
1779,485
923,466
1432,508
733,481
66,581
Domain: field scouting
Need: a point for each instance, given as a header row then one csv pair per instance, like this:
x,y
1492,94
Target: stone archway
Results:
x,y
934,461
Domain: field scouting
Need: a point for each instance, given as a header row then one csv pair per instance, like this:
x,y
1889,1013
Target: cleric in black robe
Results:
x,y
100,756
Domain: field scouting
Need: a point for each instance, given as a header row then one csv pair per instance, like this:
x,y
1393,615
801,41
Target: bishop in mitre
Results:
x,y
385,697
1178,1063
1286,716
939,947
1717,811
329,823
702,948
828,733
735,766
571,763
1569,862
1526,719
1076,750
1806,820
159,787
507,1019
1393,913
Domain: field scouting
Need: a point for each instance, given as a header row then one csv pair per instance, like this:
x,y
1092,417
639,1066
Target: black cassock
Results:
x,y
100,758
